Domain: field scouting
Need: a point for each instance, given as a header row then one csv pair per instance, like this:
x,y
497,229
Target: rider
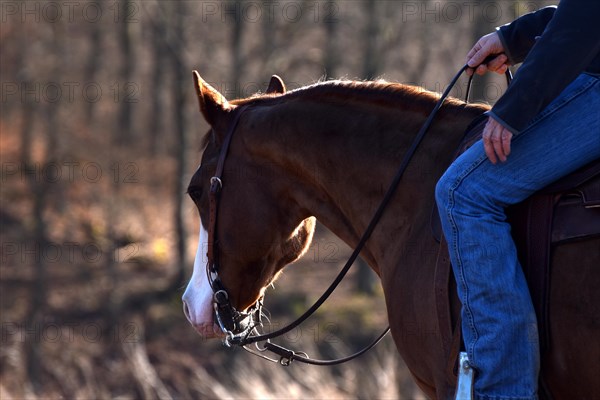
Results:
x,y
545,126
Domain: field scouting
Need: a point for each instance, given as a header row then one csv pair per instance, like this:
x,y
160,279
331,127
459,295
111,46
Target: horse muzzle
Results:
x,y
206,327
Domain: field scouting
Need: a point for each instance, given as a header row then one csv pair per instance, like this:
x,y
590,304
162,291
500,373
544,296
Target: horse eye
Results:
x,y
195,194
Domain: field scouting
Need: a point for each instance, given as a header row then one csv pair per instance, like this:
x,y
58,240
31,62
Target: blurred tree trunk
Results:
x,y
28,116
268,31
54,125
332,59
94,61
38,236
424,51
38,287
124,132
123,135
371,55
365,281
34,248
159,51
234,12
180,85
53,106
481,27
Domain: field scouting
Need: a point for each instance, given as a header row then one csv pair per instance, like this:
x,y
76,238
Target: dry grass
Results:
x,y
156,369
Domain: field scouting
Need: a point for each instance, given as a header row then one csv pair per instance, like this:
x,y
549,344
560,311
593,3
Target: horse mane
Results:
x,y
380,92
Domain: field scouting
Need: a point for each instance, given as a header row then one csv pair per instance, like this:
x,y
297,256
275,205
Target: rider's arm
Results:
x,y
568,45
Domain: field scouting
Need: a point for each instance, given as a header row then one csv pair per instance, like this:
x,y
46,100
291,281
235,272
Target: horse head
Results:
x,y
257,229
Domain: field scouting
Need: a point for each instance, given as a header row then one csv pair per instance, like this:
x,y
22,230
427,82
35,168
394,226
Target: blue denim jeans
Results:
x,y
498,320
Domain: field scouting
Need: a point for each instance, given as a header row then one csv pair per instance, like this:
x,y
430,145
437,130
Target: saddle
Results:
x,y
566,210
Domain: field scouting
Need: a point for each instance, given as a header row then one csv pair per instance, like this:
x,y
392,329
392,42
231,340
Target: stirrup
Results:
x,y
464,387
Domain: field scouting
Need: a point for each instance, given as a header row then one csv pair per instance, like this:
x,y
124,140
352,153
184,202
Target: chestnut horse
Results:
x,y
328,151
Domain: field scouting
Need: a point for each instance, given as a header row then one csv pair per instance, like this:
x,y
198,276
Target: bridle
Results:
x,y
241,327
228,318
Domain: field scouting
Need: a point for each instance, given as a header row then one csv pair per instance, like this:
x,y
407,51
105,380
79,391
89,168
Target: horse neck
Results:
x,y
343,157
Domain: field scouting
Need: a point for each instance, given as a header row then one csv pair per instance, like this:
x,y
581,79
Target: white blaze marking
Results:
x,y
199,295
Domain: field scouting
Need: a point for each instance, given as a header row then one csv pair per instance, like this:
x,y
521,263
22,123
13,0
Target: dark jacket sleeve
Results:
x,y
519,36
568,44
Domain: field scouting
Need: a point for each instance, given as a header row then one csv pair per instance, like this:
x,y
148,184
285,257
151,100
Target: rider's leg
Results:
x,y
499,323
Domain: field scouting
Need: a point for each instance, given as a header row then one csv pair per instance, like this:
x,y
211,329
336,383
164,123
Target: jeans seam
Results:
x,y
449,210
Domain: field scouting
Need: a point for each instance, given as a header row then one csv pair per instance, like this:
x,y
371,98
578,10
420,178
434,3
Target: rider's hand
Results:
x,y
496,141
489,44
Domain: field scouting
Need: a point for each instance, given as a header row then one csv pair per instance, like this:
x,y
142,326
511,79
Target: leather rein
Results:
x,y
241,332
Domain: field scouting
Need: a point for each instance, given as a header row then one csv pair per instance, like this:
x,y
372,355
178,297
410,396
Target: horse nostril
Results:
x,y
186,311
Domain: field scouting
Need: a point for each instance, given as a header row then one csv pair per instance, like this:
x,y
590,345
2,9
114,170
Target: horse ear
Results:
x,y
276,85
212,103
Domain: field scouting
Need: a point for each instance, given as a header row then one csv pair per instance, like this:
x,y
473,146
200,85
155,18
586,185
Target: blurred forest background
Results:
x,y
100,133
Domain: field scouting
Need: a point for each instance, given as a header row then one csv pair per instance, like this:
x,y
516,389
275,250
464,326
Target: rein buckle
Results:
x,y
216,184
